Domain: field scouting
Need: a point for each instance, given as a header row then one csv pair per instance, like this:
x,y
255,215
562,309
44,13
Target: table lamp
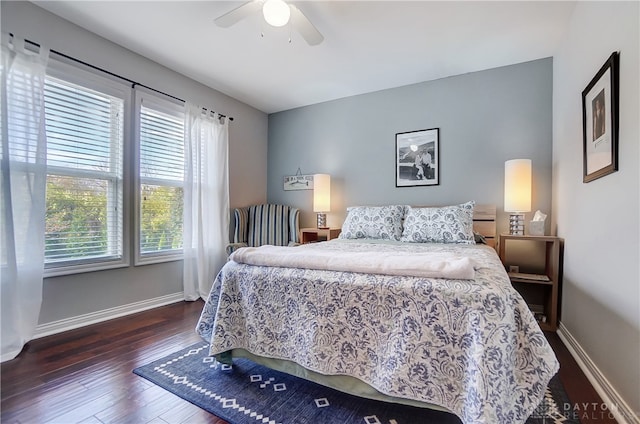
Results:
x,y
517,193
322,197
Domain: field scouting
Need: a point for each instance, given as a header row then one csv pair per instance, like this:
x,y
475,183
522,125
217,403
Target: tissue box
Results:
x,y
536,228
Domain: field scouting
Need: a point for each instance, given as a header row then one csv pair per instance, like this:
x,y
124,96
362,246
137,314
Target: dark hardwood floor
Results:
x,y
84,375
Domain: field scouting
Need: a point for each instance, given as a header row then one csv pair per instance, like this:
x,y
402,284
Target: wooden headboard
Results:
x,y
484,222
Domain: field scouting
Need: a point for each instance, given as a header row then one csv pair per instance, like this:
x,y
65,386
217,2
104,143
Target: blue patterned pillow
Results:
x,y
449,224
373,222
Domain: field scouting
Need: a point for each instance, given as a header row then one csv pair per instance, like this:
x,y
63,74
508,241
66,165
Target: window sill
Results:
x,y
57,271
158,258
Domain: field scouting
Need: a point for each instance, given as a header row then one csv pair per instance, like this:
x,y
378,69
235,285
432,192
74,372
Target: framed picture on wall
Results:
x,y
417,158
600,122
298,182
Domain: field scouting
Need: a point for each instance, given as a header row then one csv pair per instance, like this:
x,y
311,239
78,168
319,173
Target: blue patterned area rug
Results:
x,y
250,394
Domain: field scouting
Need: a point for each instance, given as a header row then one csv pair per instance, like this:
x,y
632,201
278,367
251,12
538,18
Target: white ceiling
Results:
x,y
368,46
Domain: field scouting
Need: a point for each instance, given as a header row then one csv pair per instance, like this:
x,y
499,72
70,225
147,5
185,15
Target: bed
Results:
x,y
459,342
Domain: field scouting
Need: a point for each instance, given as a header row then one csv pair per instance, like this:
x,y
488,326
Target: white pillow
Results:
x,y
448,224
373,222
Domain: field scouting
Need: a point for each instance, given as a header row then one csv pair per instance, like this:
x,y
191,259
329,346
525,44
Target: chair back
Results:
x,y
257,225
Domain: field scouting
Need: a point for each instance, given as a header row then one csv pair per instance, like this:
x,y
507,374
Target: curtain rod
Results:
x,y
130,81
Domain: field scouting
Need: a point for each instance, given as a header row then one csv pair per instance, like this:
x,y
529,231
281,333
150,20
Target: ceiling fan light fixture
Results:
x,y
276,12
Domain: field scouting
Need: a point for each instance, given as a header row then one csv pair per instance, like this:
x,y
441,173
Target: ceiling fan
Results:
x,y
277,13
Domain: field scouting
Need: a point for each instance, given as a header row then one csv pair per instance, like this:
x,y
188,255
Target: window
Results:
x,y
84,200
89,192
160,179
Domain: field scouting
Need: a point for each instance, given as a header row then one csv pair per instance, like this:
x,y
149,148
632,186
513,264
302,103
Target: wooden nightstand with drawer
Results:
x,y
542,291
311,235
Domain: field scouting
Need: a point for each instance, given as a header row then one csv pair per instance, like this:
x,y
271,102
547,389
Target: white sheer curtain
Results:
x,y
23,185
206,200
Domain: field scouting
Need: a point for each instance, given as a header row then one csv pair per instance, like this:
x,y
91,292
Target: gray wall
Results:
x,y
70,296
485,118
600,220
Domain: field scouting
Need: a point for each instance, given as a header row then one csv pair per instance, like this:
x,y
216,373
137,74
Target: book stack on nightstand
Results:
x,y
312,235
541,291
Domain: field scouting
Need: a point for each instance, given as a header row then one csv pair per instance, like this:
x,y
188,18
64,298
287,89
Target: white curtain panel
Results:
x,y
206,200
23,185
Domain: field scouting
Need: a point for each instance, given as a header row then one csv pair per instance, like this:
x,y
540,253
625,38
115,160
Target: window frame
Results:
x,y
163,105
92,81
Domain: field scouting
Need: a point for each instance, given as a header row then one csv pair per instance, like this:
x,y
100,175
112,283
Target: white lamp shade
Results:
x,y
321,193
276,12
517,185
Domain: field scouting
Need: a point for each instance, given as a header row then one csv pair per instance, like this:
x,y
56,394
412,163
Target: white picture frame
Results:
x,y
298,182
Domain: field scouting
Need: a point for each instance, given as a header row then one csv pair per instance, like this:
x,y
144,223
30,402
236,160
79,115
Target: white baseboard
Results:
x,y
66,324
615,403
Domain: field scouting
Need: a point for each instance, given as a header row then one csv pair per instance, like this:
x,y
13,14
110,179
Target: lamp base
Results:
x,y
516,224
322,220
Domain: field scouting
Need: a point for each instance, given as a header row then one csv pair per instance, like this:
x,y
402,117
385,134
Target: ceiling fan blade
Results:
x,y
238,13
305,27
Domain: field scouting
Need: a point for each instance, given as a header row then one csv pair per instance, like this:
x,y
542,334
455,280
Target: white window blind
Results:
x,y
84,174
161,169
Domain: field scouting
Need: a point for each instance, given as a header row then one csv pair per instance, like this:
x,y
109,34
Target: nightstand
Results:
x,y
541,291
310,235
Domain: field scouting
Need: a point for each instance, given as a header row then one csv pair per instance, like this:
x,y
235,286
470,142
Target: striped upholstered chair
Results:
x,y
257,225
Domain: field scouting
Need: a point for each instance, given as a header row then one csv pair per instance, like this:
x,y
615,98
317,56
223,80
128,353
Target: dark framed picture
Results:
x,y
417,158
600,122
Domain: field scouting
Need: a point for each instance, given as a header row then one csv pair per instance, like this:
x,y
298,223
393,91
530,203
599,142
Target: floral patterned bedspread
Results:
x,y
471,346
